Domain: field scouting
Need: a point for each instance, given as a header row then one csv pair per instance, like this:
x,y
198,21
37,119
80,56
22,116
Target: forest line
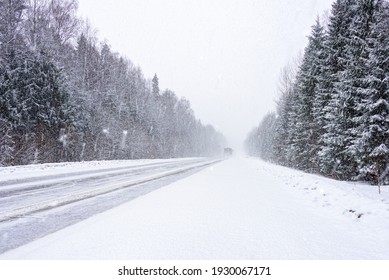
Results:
x,y
66,96
332,116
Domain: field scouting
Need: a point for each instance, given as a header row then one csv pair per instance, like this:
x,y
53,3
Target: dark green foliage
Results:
x,y
35,103
66,97
335,118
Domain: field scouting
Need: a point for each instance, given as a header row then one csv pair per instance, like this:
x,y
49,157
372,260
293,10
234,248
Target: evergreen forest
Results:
x,y
66,96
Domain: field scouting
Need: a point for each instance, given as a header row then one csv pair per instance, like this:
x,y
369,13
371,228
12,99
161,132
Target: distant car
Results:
x,y
228,151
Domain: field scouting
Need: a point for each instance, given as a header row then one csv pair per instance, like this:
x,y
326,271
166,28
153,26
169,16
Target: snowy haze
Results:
x,y
223,55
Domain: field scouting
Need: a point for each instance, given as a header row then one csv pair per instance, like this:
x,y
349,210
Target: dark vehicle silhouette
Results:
x,y
228,151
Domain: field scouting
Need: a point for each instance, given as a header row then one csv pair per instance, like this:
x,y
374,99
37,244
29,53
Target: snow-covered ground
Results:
x,y
241,208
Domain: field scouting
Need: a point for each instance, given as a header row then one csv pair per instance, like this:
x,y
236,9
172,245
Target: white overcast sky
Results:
x,y
225,56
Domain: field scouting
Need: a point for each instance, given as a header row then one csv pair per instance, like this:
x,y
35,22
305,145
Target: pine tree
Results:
x,y
155,82
372,143
306,133
265,137
54,115
6,143
333,160
284,123
352,87
35,104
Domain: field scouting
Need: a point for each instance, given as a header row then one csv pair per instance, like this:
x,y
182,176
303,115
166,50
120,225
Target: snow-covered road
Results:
x,y
241,208
29,195
57,195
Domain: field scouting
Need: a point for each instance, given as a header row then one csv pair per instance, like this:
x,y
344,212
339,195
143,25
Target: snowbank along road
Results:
x,y
240,208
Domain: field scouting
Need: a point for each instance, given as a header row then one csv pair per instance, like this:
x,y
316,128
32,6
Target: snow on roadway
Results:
x,y
47,169
241,208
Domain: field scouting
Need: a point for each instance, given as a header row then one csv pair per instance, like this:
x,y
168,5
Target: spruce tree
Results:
x,y
352,86
284,122
333,160
372,142
306,134
155,82
6,143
